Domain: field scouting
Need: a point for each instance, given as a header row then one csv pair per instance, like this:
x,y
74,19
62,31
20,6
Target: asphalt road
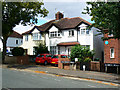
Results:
x,y
22,79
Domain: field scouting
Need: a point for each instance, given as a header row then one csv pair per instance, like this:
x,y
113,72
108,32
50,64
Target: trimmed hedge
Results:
x,y
18,51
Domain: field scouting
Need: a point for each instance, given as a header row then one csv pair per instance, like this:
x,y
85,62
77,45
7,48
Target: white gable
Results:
x,y
35,31
83,25
53,28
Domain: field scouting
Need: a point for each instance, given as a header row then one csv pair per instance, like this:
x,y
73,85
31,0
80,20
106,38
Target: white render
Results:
x,y
30,44
11,43
95,42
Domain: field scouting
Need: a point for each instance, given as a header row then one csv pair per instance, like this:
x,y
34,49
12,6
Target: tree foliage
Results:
x,y
14,13
42,49
106,15
82,53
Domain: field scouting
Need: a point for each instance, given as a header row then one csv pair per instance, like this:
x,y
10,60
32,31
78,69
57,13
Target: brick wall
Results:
x,y
113,43
63,65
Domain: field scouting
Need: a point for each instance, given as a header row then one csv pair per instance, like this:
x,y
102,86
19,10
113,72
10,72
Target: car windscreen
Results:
x,y
55,57
40,55
63,56
48,56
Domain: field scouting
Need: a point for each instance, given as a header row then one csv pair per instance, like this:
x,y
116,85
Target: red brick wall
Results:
x,y
113,43
63,66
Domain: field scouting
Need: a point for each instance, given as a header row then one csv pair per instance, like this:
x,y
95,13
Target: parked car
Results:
x,y
43,59
55,59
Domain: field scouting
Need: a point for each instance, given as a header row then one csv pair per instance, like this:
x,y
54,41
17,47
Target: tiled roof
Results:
x,y
16,35
68,44
68,23
43,27
64,23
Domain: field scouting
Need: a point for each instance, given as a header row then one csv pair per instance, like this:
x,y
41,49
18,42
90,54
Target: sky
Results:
x,y
70,9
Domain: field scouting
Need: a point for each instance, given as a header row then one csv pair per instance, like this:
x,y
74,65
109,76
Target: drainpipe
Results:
x,y
77,32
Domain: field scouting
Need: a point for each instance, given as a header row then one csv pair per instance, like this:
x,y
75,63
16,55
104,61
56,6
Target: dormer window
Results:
x,y
84,31
71,33
55,34
36,36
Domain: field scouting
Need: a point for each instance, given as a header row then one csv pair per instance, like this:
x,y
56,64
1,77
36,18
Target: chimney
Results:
x,y
59,15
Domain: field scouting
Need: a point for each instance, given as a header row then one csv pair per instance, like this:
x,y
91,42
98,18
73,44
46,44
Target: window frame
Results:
x,y
111,53
71,33
54,34
36,36
26,37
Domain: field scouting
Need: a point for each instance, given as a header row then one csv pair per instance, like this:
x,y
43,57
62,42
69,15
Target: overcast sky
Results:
x,y
69,9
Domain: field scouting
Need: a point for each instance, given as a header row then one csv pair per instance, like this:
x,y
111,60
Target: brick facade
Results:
x,y
112,43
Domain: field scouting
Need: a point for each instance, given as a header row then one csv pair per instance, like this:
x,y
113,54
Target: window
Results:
x,y
16,41
111,52
55,34
58,50
36,36
26,37
71,33
84,31
53,49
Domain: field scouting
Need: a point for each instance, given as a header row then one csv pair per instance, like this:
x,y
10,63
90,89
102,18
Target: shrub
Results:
x,y
18,51
42,49
87,59
82,53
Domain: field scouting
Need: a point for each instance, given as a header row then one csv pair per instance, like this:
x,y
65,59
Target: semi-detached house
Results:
x,y
63,33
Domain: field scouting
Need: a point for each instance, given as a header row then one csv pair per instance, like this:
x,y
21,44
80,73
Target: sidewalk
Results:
x,y
101,76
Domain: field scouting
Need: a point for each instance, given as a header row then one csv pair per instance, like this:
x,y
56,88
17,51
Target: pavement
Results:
x,y
89,75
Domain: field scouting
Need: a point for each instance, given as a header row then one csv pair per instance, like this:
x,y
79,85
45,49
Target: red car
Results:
x,y
43,59
55,59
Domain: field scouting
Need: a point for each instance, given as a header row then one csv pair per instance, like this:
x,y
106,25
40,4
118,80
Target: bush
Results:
x,y
87,59
82,53
42,49
18,51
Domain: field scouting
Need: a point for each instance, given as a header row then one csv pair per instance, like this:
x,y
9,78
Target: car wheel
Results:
x,y
45,63
56,65
37,63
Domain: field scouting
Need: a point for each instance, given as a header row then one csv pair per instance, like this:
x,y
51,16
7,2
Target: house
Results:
x,y
111,54
32,39
61,34
14,40
64,33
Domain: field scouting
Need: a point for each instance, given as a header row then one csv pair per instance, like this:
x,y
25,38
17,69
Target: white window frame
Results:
x,y
85,31
71,32
55,34
36,36
53,49
26,37
112,55
16,42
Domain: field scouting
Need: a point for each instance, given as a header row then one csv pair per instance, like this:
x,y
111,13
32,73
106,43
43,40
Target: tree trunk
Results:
x,y
4,50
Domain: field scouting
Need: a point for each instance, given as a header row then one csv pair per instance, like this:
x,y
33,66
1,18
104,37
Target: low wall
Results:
x,y
17,59
97,66
63,65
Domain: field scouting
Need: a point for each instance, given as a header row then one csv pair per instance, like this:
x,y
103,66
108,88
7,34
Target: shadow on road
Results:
x,y
21,66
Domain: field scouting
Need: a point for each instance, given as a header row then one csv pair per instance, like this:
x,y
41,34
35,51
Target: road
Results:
x,y
22,79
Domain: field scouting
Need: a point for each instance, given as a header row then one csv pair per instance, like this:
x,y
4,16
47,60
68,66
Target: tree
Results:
x,y
106,16
41,49
14,13
82,53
